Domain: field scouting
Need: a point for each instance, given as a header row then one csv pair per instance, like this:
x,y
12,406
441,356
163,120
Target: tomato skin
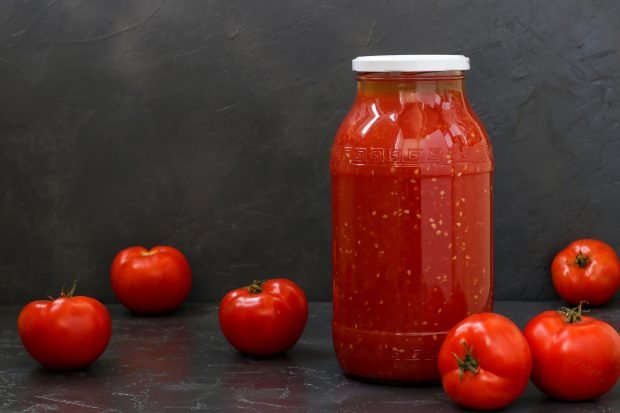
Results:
x,y
152,281
265,323
596,282
504,362
573,361
66,333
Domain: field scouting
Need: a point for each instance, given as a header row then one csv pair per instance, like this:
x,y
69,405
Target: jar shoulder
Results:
x,y
387,122
432,131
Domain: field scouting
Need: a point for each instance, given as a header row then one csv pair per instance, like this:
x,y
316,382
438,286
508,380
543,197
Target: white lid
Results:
x,y
411,63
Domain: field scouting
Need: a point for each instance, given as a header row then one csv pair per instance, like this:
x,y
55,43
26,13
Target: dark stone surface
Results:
x,y
182,362
207,125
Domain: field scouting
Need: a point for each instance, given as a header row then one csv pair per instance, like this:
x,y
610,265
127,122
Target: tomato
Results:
x,y
65,333
265,318
484,362
152,281
587,270
576,357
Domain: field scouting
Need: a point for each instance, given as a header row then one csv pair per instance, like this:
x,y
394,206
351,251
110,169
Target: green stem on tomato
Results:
x,y
581,259
70,292
256,287
573,315
468,363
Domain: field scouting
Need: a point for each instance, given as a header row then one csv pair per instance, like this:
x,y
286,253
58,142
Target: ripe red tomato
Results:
x,y
575,357
151,281
265,318
484,362
587,270
66,333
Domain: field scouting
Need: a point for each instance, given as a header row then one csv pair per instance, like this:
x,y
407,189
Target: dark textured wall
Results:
x,y
207,125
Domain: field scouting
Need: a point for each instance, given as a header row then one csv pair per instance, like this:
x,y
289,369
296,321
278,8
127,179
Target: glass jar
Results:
x,y
412,240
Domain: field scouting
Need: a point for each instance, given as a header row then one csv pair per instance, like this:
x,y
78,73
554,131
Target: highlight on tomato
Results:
x,y
154,281
69,332
265,318
575,357
586,270
484,362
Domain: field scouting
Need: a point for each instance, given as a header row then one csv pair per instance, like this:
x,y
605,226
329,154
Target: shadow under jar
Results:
x,y
412,241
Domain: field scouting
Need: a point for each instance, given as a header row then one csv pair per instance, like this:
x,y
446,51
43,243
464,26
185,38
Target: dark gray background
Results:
x,y
207,125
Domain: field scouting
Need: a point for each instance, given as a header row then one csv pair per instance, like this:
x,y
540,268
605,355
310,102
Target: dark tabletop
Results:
x,y
181,362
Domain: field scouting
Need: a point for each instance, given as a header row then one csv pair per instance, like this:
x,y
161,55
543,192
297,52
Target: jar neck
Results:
x,y
407,83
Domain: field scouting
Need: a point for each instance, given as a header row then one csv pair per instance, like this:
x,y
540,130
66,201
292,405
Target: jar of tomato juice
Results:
x,y
412,240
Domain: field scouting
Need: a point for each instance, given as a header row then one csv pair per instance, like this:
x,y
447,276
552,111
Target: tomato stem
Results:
x,y
468,362
581,259
573,315
70,292
256,287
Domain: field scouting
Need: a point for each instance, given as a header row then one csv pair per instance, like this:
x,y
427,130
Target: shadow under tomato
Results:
x,y
184,310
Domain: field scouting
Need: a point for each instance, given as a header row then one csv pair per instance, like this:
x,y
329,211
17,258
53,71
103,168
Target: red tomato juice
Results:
x,y
412,229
